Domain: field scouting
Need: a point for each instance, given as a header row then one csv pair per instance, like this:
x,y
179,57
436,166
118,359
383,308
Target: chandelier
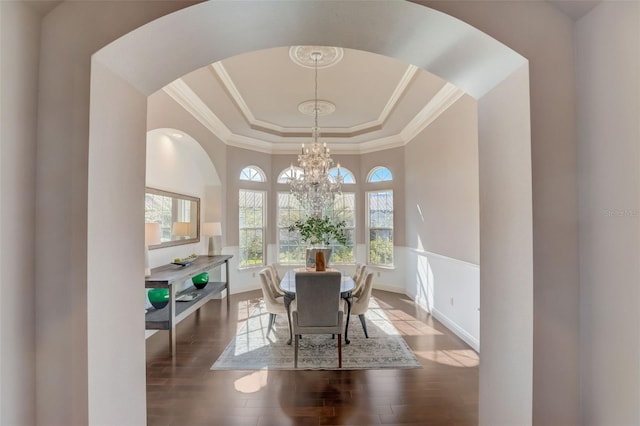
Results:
x,y
313,186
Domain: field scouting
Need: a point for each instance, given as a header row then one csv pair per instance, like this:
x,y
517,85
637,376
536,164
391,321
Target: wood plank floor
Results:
x,y
185,391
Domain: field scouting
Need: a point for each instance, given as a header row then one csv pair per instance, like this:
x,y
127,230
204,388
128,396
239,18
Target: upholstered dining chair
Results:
x,y
360,303
275,280
274,304
359,268
318,308
360,276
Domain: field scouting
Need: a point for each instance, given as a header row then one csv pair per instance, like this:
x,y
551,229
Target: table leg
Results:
x,y
348,299
288,298
172,319
226,278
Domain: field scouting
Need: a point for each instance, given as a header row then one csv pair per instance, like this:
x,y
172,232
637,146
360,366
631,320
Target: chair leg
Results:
x,y
295,351
364,325
339,350
272,320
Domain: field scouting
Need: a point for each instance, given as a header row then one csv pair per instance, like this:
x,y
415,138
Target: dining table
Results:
x,y
288,286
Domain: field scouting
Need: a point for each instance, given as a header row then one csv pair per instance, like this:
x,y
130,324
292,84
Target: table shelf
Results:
x,y
170,276
158,319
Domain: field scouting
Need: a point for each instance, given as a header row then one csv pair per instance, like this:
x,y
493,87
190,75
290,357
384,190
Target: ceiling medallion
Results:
x,y
302,55
323,107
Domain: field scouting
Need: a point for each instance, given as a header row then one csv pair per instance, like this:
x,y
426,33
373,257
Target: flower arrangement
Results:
x,y
315,230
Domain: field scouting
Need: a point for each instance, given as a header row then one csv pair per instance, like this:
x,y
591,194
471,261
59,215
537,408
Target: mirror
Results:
x,y
178,216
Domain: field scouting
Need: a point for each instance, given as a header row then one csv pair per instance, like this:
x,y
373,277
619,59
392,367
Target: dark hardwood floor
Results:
x,y
186,392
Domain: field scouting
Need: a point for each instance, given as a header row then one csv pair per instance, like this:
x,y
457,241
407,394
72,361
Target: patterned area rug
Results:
x,y
252,349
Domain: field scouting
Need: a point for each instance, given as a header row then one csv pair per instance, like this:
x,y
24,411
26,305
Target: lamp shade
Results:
x,y
181,229
151,234
212,229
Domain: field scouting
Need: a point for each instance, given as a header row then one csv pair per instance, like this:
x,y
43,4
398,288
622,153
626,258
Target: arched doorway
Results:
x,y
127,71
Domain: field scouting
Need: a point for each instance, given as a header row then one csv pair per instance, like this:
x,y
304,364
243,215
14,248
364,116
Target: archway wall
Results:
x,y
154,55
445,46
545,36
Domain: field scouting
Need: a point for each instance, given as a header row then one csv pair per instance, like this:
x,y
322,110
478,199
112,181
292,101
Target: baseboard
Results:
x,y
456,329
389,288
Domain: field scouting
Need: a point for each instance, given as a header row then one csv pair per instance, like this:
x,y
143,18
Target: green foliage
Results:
x,y
320,230
381,251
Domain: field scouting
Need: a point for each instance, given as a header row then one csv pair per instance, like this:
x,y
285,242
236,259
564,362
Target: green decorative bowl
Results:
x,y
159,297
200,280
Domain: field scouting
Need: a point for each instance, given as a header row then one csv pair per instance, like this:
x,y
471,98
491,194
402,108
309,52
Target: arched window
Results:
x,y
288,173
253,174
347,176
379,174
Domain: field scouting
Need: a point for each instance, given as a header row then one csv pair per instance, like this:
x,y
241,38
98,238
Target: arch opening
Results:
x,y
133,67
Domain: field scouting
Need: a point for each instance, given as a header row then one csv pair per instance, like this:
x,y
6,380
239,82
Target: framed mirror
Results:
x,y
178,217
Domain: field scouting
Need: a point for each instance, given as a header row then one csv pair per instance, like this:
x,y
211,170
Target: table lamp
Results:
x,y
151,238
181,229
212,230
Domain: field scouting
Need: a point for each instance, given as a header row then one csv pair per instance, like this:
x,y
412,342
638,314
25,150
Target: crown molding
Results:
x,y
180,92
189,100
440,102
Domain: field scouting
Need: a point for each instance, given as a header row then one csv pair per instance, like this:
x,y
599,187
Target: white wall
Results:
x,y
544,35
61,215
19,38
608,85
506,268
109,209
180,165
441,212
449,289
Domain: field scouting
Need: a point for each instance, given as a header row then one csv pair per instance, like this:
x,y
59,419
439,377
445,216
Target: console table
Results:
x,y
169,276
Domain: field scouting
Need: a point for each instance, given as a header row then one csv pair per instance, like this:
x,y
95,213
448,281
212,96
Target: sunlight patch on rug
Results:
x,y
252,349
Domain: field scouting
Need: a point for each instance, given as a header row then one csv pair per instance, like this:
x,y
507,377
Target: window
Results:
x,y
253,174
288,173
379,174
344,208
347,176
292,251
251,219
380,227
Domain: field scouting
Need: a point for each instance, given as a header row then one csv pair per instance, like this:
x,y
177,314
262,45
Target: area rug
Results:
x,y
253,349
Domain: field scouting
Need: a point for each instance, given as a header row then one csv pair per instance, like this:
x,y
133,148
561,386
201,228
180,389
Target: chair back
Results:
x,y
274,274
361,304
318,298
267,290
359,280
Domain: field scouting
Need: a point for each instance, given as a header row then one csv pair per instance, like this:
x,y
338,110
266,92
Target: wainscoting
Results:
x,y
447,288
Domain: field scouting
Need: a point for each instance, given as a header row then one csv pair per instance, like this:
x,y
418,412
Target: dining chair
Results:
x,y
275,279
360,303
359,268
318,308
361,275
275,305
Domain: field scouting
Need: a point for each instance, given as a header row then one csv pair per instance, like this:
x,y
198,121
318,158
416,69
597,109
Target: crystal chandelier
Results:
x,y
313,187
